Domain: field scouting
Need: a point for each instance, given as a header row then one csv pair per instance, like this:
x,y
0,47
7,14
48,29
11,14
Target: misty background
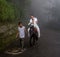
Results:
x,y
47,12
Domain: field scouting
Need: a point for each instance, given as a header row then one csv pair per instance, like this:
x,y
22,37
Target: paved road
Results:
x,y
49,46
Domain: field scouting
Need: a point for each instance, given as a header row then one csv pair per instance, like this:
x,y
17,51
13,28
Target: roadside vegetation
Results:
x,y
11,11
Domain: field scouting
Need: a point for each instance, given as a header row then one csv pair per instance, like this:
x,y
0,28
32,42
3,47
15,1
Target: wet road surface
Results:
x,y
49,46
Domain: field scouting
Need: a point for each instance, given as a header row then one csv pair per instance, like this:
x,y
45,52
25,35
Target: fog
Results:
x,y
47,12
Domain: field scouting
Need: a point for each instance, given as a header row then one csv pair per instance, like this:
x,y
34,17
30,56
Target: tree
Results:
x,y
6,11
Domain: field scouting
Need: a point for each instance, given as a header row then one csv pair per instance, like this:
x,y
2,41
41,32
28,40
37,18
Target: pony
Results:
x,y
33,35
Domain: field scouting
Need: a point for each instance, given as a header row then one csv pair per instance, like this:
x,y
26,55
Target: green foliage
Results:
x,y
6,11
6,41
12,10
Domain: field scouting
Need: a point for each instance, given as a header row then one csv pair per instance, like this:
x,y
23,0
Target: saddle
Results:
x,y
33,30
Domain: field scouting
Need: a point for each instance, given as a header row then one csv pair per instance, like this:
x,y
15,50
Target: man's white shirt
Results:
x,y
35,20
35,25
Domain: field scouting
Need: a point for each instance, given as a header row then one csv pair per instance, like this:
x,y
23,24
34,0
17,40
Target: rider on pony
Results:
x,y
34,21
33,30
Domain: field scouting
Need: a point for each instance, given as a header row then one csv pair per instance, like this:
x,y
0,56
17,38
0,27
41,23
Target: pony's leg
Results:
x,y
33,39
30,41
36,39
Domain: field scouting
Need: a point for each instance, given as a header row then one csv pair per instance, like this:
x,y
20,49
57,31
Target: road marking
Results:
x,y
14,52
